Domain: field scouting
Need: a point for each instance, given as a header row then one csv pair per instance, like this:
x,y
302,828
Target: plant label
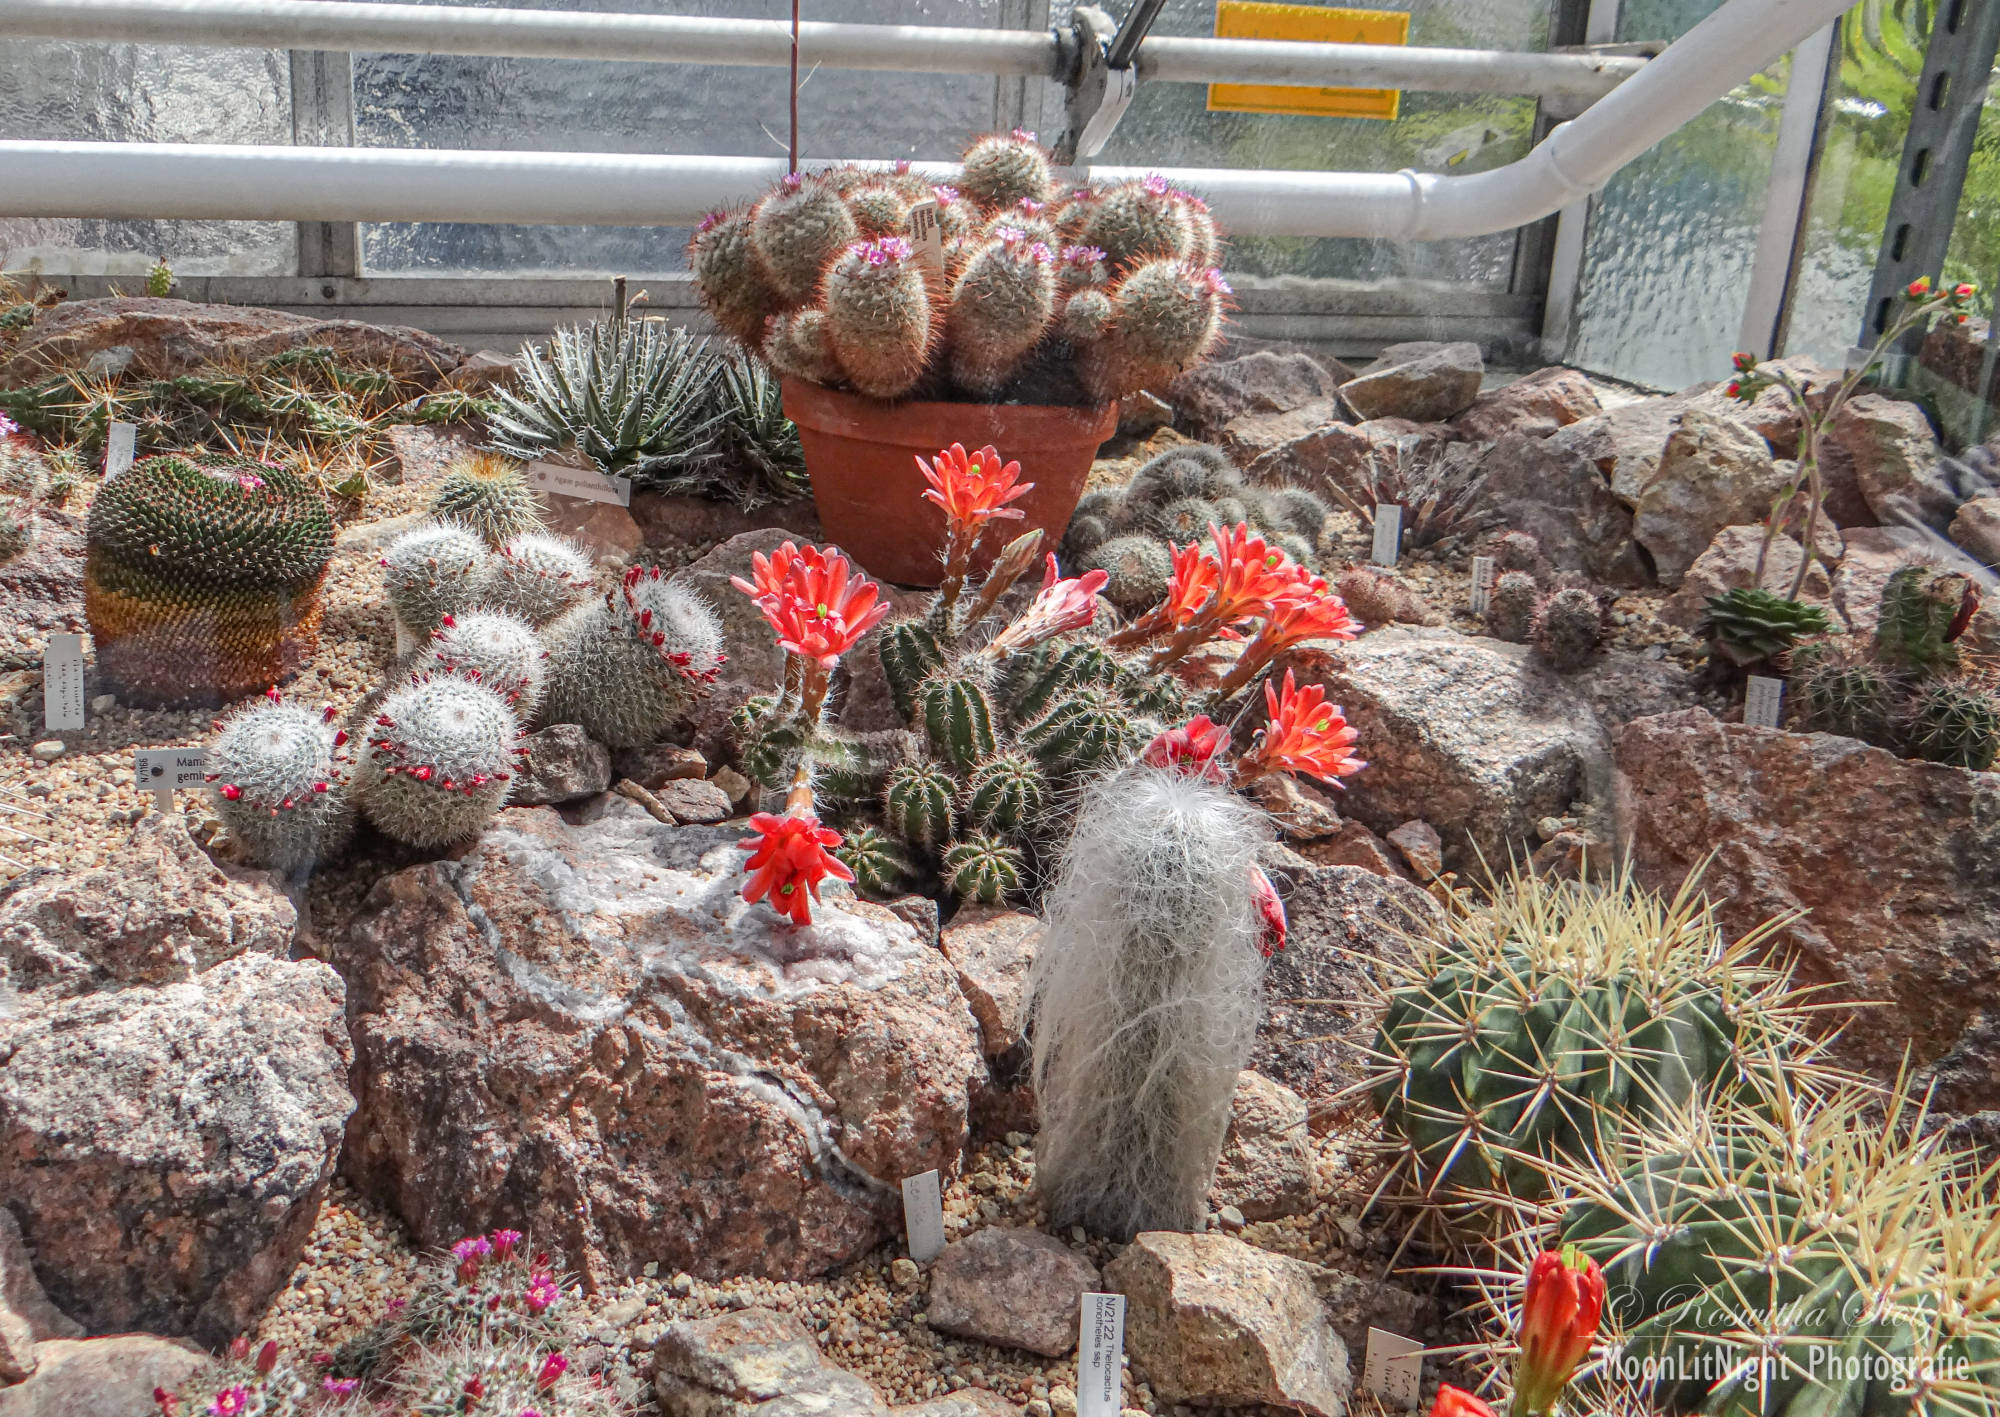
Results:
x,y
62,682
1100,1356
927,235
1394,1369
1763,701
1482,583
586,484
1388,533
923,1216
163,771
119,445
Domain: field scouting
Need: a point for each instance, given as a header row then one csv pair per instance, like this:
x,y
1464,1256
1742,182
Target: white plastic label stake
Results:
x,y
1394,1369
923,1216
1388,533
163,771
1100,1356
1763,701
119,445
1482,583
584,483
62,682
927,235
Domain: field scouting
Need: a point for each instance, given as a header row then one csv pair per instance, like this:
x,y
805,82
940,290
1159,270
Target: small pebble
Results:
x,y
48,750
104,703
905,1274
1231,1218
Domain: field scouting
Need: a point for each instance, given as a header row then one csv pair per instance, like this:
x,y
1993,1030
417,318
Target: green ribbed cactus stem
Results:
x,y
1000,308
1161,697
770,755
878,210
847,770
1033,681
982,869
439,761
730,276
957,720
1139,221
1004,168
1007,795
797,232
1924,609
1569,626
1087,731
1953,721
910,654
627,667
488,495
492,648
918,803
881,869
1837,689
430,572
1165,319
798,346
278,782
1749,624
1510,609
536,576
878,317
1140,568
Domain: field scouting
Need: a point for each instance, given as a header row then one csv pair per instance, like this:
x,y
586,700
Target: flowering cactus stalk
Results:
x,y
878,317
278,781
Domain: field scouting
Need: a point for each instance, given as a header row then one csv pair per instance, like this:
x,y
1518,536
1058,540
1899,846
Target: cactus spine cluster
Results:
x,y
278,781
627,666
820,277
489,496
439,760
203,580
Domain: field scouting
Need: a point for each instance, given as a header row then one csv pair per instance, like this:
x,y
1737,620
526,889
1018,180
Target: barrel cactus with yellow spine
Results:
x,y
203,579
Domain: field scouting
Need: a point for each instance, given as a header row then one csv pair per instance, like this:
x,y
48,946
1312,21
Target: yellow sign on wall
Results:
x,y
1256,19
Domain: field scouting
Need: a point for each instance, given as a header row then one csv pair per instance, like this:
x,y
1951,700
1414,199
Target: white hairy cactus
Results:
x,y
492,648
278,782
429,572
1145,998
627,666
439,761
536,576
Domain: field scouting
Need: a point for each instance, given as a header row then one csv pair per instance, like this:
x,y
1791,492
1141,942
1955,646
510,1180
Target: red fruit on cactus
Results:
x,y
789,857
1559,1318
1457,1402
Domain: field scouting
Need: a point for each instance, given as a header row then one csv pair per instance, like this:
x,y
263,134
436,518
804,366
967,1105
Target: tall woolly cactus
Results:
x,y
489,496
1145,998
439,761
278,782
429,572
878,317
628,666
203,580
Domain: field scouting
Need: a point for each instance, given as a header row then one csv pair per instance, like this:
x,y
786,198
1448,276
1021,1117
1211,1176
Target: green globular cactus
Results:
x,y
439,761
489,496
798,346
1924,609
492,648
160,280
918,803
1569,626
1139,221
768,753
1004,169
1190,470
1007,794
1541,1022
730,276
878,210
1300,512
797,232
430,572
1165,318
1510,608
881,870
1000,307
1087,731
626,667
878,317
203,580
1837,689
1140,569
1749,625
910,654
982,869
1952,721
1188,520
1087,314
536,576
278,782
17,529
957,720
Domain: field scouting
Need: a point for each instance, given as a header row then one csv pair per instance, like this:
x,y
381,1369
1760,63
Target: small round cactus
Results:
x,y
1302,512
878,317
431,571
918,803
1836,689
492,648
439,761
1924,609
798,346
731,278
17,529
536,576
1191,470
1087,731
1003,169
488,495
999,308
1006,794
983,869
797,231
880,868
1165,318
1518,551
1139,221
1373,596
1569,623
1140,569
278,781
878,210
1187,520
1953,721
627,666
1510,608
1087,315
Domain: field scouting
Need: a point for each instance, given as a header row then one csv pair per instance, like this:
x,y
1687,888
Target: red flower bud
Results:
x,y
239,1348
1457,1402
449,623
339,738
1559,1318
319,787
267,1357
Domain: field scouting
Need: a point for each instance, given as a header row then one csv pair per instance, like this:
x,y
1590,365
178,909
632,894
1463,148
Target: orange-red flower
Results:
x,y
1192,585
815,602
1305,734
1457,1402
1058,607
768,573
1254,573
973,487
1195,749
1305,610
789,857
1559,1318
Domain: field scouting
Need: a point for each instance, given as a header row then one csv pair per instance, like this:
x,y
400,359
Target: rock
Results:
x,y
1560,499
158,911
169,338
26,1315
1535,405
42,588
993,950
1714,473
1421,847
1730,563
1248,436
585,1031
1319,999
1266,1170
1341,452
700,524
1892,867
1143,414
1302,812
166,1149
564,764
654,766
754,1361
1423,381
966,1402
1212,394
694,802
1897,463
102,1377
1355,1303
1625,442
735,786
1015,1288
1214,1322
479,372
48,750
1975,529
1355,845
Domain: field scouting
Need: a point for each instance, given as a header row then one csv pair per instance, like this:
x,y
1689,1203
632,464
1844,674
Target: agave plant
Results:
x,y
634,396
757,457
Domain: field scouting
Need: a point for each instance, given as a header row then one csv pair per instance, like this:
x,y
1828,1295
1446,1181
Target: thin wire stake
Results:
x,y
794,147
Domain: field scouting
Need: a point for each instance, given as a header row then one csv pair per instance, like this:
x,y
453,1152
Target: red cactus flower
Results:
x,y
475,1387
1457,1402
974,487
1195,749
1307,611
1192,585
815,602
1270,913
553,1367
1255,574
1058,607
1559,1318
1919,288
768,573
788,859
166,1402
1304,734
542,1292
230,1402
504,1242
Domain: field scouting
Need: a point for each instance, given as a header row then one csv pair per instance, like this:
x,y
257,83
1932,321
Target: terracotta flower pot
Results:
x,y
861,454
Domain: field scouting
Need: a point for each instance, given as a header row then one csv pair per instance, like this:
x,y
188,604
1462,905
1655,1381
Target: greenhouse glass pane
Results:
x,y
145,93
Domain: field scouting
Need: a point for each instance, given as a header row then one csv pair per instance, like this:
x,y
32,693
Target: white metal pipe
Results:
x,y
62,179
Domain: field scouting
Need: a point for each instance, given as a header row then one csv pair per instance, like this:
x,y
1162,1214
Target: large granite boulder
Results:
x,y
585,1031
102,1377
1266,1168
1730,563
1536,405
1422,380
42,587
1897,463
1559,497
1714,472
1267,381
26,1315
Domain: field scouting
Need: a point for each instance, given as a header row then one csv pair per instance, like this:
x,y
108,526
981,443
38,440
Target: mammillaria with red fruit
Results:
x,y
627,665
278,780
438,761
